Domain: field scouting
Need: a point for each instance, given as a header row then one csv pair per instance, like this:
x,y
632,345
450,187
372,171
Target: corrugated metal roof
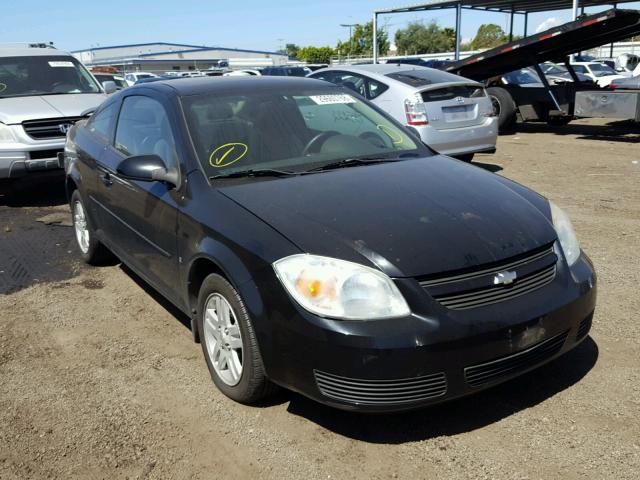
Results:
x,y
518,6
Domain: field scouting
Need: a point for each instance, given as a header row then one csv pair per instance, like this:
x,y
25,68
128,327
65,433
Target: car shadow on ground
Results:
x,y
625,131
490,167
157,296
35,190
458,416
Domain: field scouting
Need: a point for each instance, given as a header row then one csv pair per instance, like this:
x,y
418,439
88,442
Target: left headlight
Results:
x,y
6,135
339,289
566,234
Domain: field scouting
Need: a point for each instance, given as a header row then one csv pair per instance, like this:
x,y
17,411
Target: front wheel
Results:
x,y
229,342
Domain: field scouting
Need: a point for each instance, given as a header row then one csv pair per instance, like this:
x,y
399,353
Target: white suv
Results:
x,y
43,92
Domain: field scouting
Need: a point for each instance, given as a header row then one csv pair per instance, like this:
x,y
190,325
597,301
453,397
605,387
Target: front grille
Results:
x,y
585,326
477,288
496,370
49,128
41,154
381,392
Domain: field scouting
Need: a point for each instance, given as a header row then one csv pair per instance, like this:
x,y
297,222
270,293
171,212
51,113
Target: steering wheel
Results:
x,y
56,85
374,139
317,141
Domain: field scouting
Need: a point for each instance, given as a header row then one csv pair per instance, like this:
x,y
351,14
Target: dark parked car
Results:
x,y
285,71
318,245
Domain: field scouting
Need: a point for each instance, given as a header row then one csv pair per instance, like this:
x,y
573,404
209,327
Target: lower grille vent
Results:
x,y
496,370
381,392
585,326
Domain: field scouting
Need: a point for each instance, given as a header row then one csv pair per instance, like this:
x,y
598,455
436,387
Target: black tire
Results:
x,y
504,107
253,384
466,157
96,253
6,187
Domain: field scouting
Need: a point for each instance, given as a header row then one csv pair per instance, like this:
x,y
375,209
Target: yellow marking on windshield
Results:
x,y
3,87
394,136
226,154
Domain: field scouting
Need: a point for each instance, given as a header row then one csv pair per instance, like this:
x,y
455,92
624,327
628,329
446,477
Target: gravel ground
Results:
x,y
100,377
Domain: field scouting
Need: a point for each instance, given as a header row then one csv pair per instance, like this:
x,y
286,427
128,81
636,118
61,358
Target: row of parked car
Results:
x,y
452,114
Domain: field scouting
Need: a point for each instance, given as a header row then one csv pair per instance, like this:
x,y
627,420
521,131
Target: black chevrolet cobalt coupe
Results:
x,y
316,244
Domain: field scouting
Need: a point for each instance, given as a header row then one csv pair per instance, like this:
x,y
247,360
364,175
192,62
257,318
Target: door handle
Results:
x,y
106,179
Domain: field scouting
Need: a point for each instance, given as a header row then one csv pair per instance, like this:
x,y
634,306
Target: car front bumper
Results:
x,y
432,356
26,155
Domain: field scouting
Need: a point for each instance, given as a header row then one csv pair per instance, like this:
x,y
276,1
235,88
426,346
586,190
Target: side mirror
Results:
x,y
109,87
147,168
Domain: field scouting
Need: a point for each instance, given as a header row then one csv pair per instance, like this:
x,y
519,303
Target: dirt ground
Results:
x,y
99,378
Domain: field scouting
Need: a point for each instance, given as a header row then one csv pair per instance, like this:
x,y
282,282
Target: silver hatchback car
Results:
x,y
452,114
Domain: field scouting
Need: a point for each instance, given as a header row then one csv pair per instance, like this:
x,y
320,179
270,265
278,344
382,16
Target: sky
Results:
x,y
251,24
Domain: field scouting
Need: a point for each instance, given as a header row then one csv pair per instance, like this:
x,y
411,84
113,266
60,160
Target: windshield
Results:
x,y
522,77
552,69
601,70
44,75
292,133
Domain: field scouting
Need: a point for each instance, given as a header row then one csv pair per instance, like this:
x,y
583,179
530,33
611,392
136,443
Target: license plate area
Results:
x,y
458,113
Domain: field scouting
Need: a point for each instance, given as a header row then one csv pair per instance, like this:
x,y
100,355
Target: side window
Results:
x,y
130,77
375,88
352,81
579,69
144,129
102,122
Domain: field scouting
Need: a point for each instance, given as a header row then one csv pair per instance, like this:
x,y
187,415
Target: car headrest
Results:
x,y
219,111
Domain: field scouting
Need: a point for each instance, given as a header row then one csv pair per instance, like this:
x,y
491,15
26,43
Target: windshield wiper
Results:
x,y
263,172
352,162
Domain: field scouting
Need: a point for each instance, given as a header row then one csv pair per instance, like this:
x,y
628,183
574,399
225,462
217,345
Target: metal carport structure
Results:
x,y
512,7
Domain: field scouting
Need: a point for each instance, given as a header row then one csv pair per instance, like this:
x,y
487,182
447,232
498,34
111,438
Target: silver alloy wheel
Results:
x,y
223,339
80,224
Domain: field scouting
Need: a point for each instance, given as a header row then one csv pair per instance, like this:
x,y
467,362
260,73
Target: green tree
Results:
x,y
290,49
419,38
316,54
489,35
361,42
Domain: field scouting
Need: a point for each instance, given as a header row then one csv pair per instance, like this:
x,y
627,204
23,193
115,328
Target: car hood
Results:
x,y
18,109
410,218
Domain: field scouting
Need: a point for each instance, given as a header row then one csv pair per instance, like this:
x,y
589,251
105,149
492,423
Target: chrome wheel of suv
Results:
x,y
81,227
223,339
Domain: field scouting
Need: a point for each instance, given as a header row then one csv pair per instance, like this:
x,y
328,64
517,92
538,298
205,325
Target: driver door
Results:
x,y
144,215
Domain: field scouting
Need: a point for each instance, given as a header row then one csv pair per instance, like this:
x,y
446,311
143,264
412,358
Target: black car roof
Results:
x,y
204,85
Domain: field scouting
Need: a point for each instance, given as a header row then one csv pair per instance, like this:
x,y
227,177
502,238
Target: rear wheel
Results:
x,y
91,250
504,107
229,342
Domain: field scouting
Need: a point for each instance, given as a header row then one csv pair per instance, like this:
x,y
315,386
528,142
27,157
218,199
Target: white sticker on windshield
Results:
x,y
61,64
332,99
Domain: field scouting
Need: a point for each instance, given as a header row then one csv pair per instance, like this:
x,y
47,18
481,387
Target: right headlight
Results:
x,y
335,288
6,135
566,234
